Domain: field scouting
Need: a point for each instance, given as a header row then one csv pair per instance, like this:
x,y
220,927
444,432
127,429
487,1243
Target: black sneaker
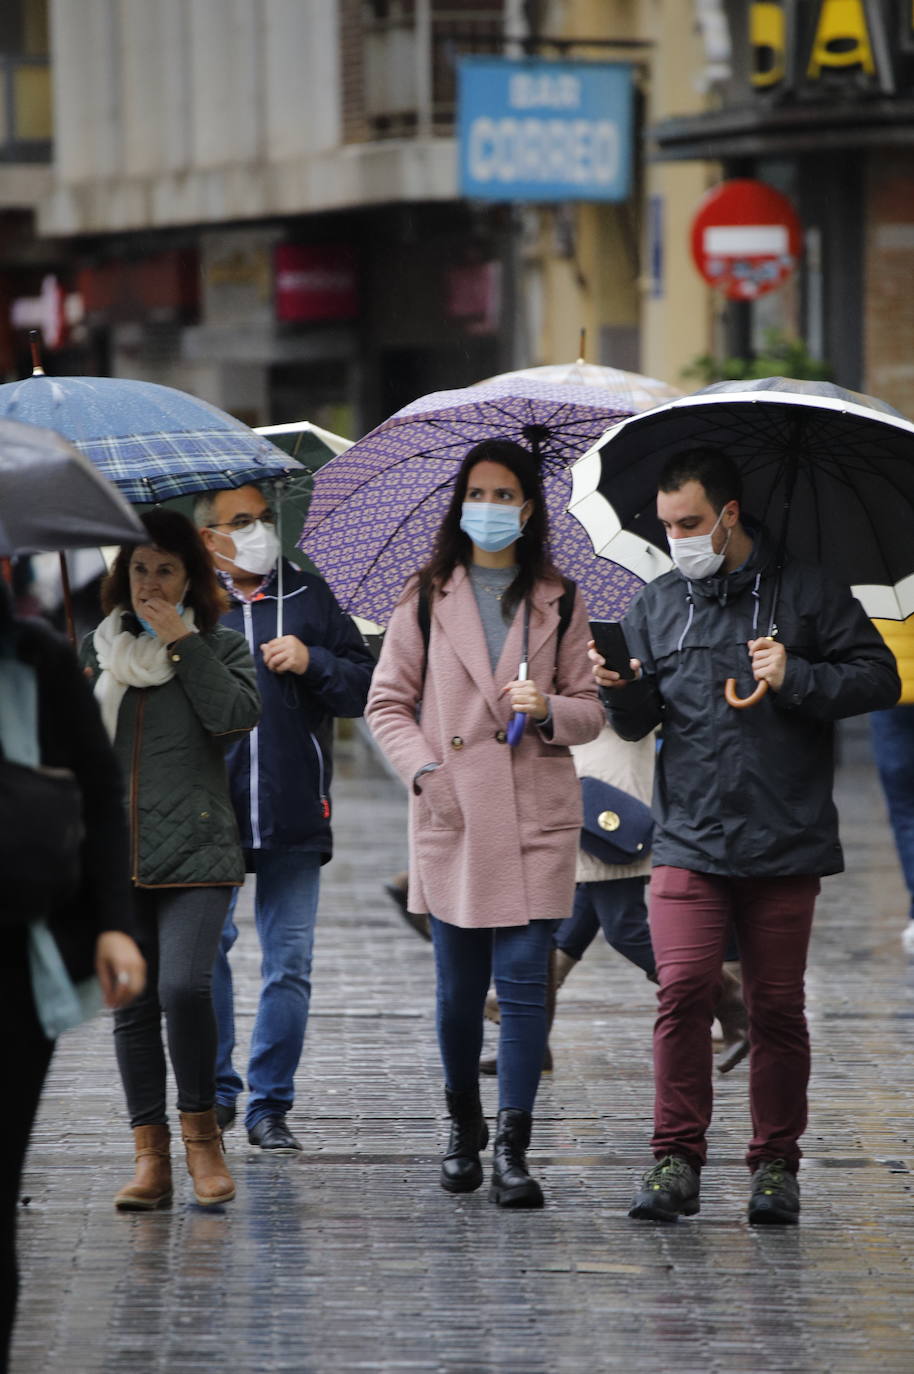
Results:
x,y
273,1136
775,1196
668,1190
225,1115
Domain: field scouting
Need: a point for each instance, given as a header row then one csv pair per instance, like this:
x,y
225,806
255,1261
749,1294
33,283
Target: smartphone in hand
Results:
x,y
609,639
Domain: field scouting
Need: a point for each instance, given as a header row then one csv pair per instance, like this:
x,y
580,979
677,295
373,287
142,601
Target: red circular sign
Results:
x,y
746,238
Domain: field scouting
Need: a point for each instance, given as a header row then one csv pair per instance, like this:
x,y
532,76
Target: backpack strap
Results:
x,y
424,617
566,605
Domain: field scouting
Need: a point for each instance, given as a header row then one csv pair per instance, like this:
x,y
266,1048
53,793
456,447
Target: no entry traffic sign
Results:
x,y
746,238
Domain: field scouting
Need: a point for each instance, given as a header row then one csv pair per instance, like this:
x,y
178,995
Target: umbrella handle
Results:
x,y
740,703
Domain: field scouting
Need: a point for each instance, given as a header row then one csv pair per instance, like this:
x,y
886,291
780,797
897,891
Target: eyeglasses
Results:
x,y
244,522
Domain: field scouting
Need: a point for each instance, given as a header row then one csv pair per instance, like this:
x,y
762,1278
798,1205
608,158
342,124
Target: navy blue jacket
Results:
x,y
281,772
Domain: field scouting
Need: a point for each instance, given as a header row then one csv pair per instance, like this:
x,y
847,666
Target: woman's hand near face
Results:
x,y
527,698
164,619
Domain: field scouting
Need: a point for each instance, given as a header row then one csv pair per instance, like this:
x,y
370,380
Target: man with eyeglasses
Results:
x,y
316,670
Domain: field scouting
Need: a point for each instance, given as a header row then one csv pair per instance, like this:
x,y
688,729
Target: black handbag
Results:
x,y
617,829
41,835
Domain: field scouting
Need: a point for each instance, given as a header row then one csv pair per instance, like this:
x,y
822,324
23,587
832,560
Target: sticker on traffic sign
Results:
x,y
746,238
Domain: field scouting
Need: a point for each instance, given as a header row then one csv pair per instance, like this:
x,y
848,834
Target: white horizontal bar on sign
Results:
x,y
745,240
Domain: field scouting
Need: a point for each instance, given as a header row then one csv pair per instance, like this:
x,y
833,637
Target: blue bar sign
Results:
x,y
542,131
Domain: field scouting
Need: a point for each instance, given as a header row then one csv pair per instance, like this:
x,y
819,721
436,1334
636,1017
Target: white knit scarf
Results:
x,y
128,660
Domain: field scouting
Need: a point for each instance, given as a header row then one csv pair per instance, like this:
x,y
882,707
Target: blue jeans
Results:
x,y
893,749
285,912
465,961
618,905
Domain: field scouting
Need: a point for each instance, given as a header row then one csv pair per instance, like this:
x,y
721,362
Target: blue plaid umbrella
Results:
x,y
151,441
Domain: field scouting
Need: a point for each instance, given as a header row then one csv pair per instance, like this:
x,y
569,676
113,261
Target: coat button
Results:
x,y
456,742
501,736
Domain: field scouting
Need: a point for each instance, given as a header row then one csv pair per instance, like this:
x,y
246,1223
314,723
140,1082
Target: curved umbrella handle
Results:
x,y
740,703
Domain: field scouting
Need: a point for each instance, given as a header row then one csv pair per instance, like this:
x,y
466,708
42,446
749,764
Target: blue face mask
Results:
x,y
491,527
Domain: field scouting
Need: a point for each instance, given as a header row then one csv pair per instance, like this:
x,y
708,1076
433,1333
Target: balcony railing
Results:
x,y
25,109
400,98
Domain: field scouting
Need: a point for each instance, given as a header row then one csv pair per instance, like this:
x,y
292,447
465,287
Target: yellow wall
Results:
x,y
604,281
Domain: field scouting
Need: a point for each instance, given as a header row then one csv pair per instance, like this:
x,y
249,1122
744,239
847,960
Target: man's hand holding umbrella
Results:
x,y
769,661
287,654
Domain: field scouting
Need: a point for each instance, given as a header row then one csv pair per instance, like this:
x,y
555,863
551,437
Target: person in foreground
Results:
x,y
493,824
173,685
745,822
89,928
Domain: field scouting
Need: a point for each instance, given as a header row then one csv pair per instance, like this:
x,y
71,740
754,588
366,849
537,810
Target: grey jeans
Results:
x,y
178,929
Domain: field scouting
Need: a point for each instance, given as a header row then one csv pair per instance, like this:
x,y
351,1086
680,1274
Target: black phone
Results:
x,y
609,639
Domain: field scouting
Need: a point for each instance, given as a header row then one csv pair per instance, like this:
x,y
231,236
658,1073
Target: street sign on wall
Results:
x,y
746,238
544,131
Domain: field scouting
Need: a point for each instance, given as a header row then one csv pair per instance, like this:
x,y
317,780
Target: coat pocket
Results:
x,y
558,794
438,801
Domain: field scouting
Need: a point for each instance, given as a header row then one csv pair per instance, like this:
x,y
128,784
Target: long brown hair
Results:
x,y
171,532
453,547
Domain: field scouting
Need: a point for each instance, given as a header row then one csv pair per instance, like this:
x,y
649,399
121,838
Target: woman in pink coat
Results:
x,y
493,828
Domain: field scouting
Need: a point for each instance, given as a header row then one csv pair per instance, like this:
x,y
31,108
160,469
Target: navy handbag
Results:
x,y
617,829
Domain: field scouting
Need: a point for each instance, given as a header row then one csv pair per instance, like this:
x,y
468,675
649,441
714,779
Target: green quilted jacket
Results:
x,y
170,742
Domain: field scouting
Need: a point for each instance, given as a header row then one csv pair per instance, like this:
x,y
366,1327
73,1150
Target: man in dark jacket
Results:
x,y
746,824
317,668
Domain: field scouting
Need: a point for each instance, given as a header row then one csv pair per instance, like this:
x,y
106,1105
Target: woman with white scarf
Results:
x,y
172,685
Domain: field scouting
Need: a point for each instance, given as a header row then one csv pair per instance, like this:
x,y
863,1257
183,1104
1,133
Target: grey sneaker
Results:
x,y
668,1190
775,1196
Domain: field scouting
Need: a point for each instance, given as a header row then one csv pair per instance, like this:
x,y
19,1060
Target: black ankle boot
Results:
x,y
512,1185
461,1171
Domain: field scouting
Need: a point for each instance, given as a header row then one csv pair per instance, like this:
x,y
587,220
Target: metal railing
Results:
x,y
396,105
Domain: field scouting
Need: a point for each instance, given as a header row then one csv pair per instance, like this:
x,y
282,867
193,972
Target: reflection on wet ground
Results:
x,y
352,1259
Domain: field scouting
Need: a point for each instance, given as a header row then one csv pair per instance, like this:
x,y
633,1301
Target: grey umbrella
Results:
x,y
52,498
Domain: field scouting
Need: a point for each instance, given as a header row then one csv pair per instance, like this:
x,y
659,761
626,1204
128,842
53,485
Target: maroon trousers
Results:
x,y
689,916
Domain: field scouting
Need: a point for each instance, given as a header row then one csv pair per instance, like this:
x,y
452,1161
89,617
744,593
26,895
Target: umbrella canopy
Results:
x,y
52,498
830,471
152,441
305,442
376,509
638,392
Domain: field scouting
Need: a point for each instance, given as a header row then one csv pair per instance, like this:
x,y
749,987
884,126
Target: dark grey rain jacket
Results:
x,y
749,793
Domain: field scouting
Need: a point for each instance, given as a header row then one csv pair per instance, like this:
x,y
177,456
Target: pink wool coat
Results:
x,y
494,834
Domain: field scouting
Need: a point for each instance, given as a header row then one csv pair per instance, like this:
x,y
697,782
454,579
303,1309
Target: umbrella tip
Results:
x,y
34,345
582,345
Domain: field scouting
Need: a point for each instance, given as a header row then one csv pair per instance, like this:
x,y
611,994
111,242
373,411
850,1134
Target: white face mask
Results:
x,y
695,557
256,548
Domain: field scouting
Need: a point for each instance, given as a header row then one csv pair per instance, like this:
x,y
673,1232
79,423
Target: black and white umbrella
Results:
x,y
829,471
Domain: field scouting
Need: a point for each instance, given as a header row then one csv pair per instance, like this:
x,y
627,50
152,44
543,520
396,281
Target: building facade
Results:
x,y
258,200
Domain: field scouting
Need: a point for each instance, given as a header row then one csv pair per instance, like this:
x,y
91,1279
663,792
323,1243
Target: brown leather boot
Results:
x,y
151,1186
206,1158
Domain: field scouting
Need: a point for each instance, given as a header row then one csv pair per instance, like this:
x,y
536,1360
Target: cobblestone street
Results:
x,y
352,1258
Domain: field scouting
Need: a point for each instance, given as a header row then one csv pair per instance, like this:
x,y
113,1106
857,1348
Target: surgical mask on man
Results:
x,y
490,526
256,548
695,557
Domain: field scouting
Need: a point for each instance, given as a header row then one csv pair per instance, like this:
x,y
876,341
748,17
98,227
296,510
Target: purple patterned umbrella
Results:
x,y
376,508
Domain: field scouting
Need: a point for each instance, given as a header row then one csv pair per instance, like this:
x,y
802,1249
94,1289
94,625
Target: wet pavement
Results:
x,y
351,1258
